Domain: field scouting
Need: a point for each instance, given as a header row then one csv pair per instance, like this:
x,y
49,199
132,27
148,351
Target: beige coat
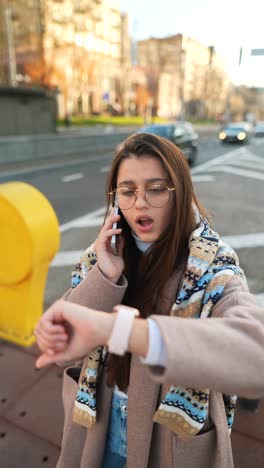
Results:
x,y
224,353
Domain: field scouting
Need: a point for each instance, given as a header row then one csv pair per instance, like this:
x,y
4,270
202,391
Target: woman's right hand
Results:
x,y
111,265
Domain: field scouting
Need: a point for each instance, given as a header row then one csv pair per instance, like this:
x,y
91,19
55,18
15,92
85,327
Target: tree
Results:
x,y
39,72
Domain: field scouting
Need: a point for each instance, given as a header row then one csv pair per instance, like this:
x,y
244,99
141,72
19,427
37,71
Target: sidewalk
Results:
x,y
31,413
31,416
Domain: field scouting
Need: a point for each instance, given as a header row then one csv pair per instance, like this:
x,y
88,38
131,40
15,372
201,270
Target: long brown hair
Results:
x,y
148,274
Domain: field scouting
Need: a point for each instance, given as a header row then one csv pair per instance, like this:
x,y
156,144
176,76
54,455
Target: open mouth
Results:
x,y
144,223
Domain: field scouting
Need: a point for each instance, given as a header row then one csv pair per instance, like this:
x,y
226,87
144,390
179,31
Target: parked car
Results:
x,y
259,129
181,133
236,132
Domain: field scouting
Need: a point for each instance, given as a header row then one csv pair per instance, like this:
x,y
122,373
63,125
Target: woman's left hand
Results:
x,y
68,332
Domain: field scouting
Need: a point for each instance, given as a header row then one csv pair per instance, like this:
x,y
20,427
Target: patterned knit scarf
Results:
x,y
211,265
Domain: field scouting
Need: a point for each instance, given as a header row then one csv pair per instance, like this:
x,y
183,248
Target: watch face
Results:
x,y
118,341
127,309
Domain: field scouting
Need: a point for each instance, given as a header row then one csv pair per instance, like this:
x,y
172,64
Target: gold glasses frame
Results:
x,y
136,191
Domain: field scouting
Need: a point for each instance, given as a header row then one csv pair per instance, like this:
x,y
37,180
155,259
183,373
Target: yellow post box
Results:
x,y
29,239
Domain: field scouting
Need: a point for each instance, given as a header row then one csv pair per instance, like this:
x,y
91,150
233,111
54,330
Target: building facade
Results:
x,y
190,77
21,35
77,47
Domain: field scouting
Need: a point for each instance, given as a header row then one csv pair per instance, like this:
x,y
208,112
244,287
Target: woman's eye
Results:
x,y
126,193
157,189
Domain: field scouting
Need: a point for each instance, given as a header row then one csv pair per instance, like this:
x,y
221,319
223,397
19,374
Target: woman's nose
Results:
x,y
140,198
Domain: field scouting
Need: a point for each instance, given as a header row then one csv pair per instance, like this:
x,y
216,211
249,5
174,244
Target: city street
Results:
x,y
228,180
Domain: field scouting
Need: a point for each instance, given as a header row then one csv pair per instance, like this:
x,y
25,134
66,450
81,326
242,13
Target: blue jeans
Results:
x,y
116,441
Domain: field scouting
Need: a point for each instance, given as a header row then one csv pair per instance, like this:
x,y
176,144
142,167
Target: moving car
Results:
x,y
181,133
236,132
259,129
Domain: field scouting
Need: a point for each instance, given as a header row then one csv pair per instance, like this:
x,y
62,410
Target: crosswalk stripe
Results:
x,y
87,220
72,177
218,160
245,240
248,164
241,157
203,178
249,156
237,171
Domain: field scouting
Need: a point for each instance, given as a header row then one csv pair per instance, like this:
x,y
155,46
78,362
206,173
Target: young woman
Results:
x,y
160,372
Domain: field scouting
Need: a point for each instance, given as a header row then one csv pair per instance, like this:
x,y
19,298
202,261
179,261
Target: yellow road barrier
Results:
x,y
29,239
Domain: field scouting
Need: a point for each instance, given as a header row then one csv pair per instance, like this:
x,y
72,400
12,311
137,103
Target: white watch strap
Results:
x,y
118,341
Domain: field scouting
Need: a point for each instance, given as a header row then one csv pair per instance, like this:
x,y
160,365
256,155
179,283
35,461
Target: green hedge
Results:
x,y
108,120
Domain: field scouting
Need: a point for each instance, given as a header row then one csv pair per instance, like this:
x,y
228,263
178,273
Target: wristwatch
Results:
x,y
118,341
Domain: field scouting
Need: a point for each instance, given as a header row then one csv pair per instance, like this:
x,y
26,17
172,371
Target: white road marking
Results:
x,y
248,164
72,177
105,169
89,220
249,156
203,178
66,258
245,241
240,157
239,172
218,160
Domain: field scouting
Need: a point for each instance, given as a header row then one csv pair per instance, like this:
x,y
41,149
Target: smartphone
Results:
x,y
114,238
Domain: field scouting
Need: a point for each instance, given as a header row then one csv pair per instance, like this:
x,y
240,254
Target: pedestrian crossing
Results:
x,y
241,162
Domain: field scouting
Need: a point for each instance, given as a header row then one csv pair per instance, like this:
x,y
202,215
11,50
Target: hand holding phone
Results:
x,y
114,238
109,248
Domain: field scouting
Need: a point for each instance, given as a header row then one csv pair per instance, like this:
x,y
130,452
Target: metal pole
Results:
x,y
10,47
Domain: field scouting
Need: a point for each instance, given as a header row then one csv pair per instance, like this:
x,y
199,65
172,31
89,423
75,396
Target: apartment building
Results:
x,y
74,46
190,77
20,37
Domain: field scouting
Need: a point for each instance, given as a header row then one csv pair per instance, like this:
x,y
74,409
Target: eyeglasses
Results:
x,y
156,195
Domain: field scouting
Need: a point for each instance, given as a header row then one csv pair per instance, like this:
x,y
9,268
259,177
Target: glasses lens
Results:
x,y
157,195
126,197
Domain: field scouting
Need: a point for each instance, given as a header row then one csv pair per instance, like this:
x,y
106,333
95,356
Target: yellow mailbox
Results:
x,y
29,239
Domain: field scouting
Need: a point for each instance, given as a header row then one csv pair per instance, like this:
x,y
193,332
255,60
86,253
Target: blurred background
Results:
x,y
76,78
137,59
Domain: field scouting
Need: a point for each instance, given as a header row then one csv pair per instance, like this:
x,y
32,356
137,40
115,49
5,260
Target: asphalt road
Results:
x,y
228,180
